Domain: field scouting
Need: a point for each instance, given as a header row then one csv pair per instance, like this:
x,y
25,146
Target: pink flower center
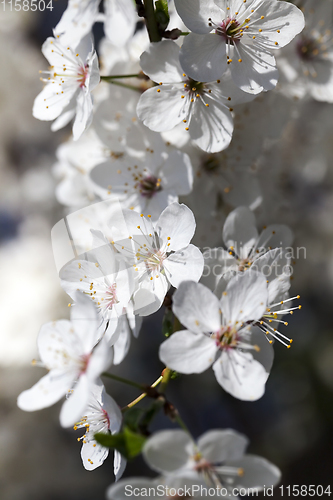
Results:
x,y
111,296
149,186
226,337
84,363
154,260
307,49
106,418
230,29
82,75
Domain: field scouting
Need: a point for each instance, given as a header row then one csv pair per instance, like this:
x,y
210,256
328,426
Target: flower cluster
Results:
x,y
174,152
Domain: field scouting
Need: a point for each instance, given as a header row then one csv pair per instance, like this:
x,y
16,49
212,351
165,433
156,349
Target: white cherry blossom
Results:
x,y
160,254
69,350
146,185
218,457
267,252
239,34
219,334
105,279
307,63
72,76
204,108
102,414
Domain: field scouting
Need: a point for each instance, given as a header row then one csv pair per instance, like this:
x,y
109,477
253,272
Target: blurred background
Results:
x,y
292,425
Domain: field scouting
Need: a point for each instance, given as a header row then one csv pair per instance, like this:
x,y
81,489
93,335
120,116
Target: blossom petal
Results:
x,y
166,451
161,62
218,446
245,298
58,343
239,231
93,455
196,307
265,354
48,390
240,375
119,465
85,320
122,344
84,114
257,70
75,405
49,103
176,225
203,57
161,111
275,265
120,21
211,125
257,472
275,235
177,173
187,352
279,21
100,360
149,297
184,265
196,13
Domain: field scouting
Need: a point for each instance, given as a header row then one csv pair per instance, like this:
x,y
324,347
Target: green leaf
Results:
x,y
132,418
128,443
162,14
